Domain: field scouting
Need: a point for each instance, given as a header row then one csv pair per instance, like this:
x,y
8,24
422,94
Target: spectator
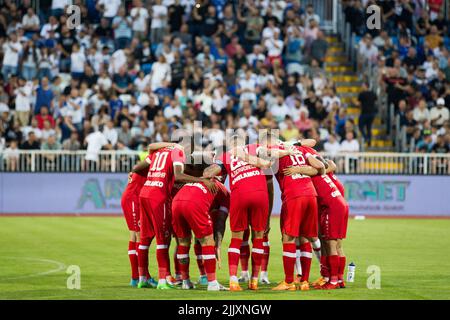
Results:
x,y
72,143
367,100
51,144
439,114
159,21
350,144
319,48
31,143
23,101
11,156
12,50
332,146
421,113
44,96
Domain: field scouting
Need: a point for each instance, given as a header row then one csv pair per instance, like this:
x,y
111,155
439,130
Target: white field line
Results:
x,y
59,267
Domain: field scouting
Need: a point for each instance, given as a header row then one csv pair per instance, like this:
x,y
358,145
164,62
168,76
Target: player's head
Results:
x,y
236,140
268,138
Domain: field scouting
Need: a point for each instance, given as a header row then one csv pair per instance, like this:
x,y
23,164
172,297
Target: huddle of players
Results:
x,y
167,200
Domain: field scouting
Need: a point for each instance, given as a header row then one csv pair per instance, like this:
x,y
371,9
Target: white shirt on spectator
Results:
x,y
349,146
111,7
248,84
45,31
28,21
60,4
95,142
248,122
439,115
421,115
37,132
274,47
279,111
104,83
159,16
332,148
269,32
78,59
140,23
170,112
23,97
11,50
160,72
111,135
118,60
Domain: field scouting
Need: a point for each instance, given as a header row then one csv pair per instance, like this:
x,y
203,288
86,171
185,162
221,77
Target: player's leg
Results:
x,y
133,257
290,231
209,260
177,279
258,213
264,276
308,231
298,265
146,237
245,257
184,245
342,263
333,263
203,280
159,217
238,224
128,207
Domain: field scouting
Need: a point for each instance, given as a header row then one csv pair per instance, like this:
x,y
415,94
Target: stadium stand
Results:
x,y
93,96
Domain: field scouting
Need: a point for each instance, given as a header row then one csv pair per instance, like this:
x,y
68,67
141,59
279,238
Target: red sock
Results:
x,y
305,260
176,263
183,261
265,258
244,255
198,254
133,259
209,260
233,256
257,254
143,257
288,261
333,262
162,256
324,271
341,270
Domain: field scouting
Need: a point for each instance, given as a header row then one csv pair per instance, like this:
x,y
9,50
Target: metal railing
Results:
x,y
116,161
67,161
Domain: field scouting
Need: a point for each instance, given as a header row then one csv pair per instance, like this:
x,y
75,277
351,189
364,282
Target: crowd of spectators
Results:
x,y
410,57
134,71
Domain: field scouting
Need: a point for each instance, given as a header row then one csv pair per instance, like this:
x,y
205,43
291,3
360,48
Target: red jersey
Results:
x,y
160,178
198,194
324,185
296,185
135,185
338,183
243,176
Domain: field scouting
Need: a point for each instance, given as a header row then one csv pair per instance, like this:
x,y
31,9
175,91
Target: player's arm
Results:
x,y
180,176
331,166
219,226
141,166
306,142
270,190
315,163
212,171
250,159
304,170
160,145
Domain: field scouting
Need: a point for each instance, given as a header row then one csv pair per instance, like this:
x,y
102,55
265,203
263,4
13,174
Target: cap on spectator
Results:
x,y
440,102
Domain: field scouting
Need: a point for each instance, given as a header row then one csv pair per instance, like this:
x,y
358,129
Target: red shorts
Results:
x,y
155,220
186,216
250,208
131,211
333,215
299,217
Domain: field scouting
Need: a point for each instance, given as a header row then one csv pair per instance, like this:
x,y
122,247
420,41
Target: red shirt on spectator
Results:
x,y
41,119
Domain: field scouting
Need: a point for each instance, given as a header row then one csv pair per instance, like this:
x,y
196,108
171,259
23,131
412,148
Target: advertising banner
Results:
x,y
100,193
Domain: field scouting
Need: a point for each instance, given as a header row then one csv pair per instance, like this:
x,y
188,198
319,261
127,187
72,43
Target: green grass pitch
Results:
x,y
413,256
